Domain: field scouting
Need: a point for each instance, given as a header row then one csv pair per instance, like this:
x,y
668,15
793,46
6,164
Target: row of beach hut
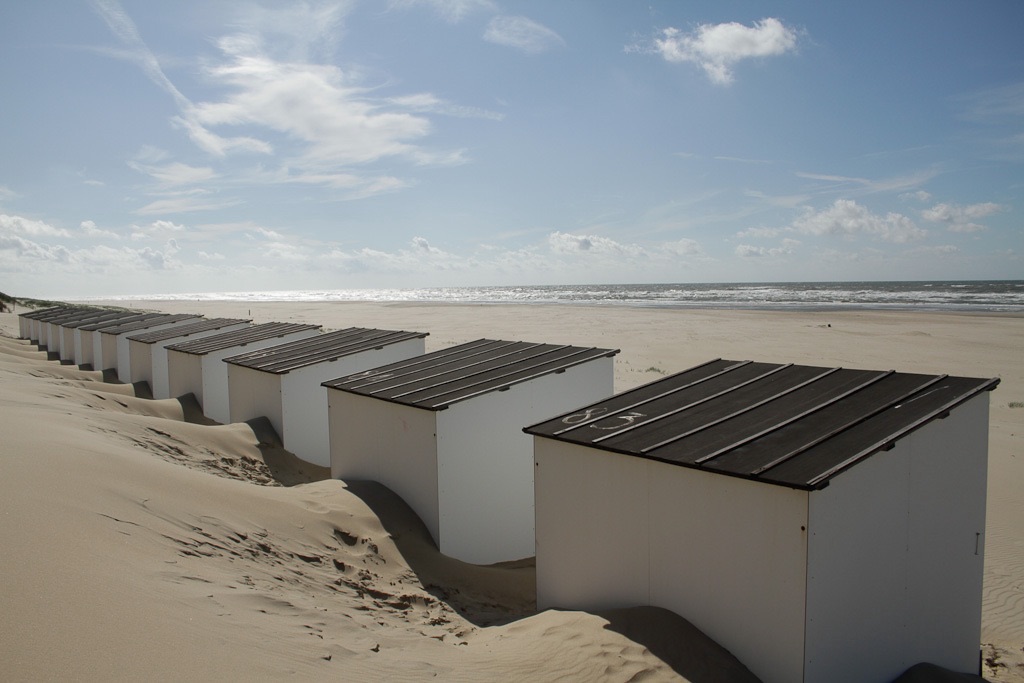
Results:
x,y
823,524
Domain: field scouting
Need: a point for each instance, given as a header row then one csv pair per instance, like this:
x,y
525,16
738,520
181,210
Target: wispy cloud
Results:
x,y
136,49
999,115
895,184
453,11
426,102
742,160
319,123
994,105
523,34
717,48
184,204
7,194
786,201
175,174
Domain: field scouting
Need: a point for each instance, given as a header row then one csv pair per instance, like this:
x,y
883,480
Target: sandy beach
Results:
x,y
142,541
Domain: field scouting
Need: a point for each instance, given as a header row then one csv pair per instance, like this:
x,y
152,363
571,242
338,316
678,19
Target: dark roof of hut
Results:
x,y
326,347
204,325
71,315
242,337
98,316
116,322
145,324
40,313
791,425
436,380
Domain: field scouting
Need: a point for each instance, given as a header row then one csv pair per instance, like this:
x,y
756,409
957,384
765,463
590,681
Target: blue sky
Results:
x,y
192,146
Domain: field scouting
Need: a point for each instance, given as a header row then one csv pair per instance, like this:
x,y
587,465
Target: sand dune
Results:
x,y
142,541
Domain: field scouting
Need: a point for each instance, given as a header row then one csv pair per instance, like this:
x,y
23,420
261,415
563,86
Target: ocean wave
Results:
x,y
993,296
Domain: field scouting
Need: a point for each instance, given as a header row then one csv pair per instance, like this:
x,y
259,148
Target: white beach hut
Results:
x,y
25,322
283,383
445,433
70,340
110,348
50,332
148,350
113,350
87,337
28,322
41,326
197,367
82,352
823,524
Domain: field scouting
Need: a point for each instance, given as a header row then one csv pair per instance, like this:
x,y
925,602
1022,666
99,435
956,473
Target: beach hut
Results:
x,y
87,337
28,326
35,321
64,333
148,350
58,326
48,337
283,383
70,341
113,350
110,348
196,367
444,432
823,524
28,322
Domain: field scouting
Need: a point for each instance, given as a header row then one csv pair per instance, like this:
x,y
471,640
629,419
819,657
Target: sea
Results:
x,y
1003,296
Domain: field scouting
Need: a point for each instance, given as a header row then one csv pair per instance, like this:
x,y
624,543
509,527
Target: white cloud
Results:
x,y
751,251
427,102
270,234
175,173
89,229
522,33
846,218
18,225
453,11
716,48
27,250
353,186
960,218
999,104
7,193
759,233
317,105
919,195
938,250
29,256
683,247
321,125
157,230
184,204
137,51
743,160
897,183
566,243
302,30
787,201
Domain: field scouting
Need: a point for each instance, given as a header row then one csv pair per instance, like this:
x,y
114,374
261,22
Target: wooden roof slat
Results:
x,y
439,379
797,427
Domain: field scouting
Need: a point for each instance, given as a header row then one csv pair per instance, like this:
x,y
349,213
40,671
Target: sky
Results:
x,y
194,146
